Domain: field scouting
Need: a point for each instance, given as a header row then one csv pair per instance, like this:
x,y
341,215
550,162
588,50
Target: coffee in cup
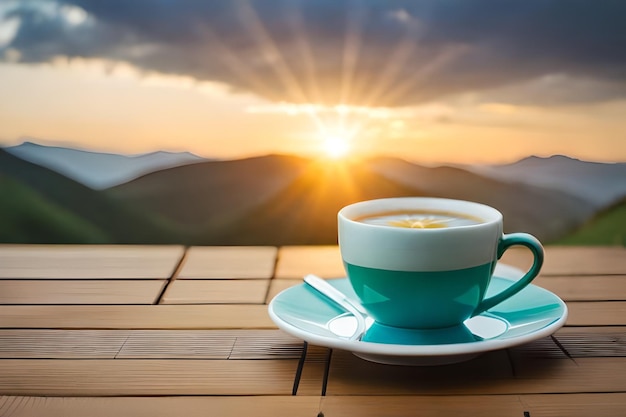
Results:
x,y
419,219
426,263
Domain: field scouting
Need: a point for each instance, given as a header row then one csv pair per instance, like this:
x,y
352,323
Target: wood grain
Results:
x,y
581,260
148,344
572,260
576,405
63,353
202,262
76,344
216,291
223,316
278,285
587,288
80,291
270,406
294,262
350,375
266,344
596,313
210,344
60,377
178,344
88,261
312,378
594,342
489,374
542,405
427,406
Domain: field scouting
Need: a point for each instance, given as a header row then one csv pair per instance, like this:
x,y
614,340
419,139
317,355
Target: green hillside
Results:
x,y
607,228
27,217
271,200
305,212
121,222
201,195
546,214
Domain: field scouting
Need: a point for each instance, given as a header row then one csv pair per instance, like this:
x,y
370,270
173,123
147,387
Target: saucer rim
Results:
x,y
385,349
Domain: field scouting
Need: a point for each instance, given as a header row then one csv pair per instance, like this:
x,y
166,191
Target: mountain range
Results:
x,y
39,205
99,170
273,199
600,183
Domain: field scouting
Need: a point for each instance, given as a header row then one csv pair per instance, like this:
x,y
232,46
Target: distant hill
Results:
x,y
548,214
28,217
266,200
305,212
211,193
601,184
287,200
109,221
606,228
99,170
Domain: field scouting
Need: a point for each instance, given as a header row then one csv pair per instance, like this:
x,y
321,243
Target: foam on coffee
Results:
x,y
419,219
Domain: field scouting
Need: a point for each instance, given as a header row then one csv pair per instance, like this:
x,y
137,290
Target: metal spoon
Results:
x,y
333,294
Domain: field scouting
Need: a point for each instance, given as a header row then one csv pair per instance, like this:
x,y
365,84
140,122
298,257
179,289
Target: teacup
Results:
x,y
426,263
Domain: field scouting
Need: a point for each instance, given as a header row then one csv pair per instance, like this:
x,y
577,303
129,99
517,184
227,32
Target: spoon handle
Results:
x,y
333,294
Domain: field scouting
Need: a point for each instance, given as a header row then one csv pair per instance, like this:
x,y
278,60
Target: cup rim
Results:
x,y
493,215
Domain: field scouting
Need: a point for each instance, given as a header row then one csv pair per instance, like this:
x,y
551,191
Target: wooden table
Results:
x,y
174,331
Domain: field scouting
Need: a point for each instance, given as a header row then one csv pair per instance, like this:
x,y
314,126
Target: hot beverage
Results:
x,y
420,219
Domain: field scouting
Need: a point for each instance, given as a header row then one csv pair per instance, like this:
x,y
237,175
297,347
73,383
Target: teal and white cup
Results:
x,y
426,263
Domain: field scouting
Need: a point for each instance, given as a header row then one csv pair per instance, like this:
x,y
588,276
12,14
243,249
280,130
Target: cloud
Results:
x,y
369,52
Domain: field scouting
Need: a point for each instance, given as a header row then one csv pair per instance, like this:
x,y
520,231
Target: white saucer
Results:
x,y
531,314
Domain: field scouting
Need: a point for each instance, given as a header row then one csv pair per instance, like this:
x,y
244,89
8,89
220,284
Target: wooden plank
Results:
x,y
585,288
545,376
216,291
59,344
518,257
541,348
423,406
266,344
546,405
350,375
228,262
580,342
210,344
581,260
218,316
148,344
80,291
590,330
89,261
178,344
572,260
294,262
576,405
486,375
278,285
260,406
93,377
595,313
312,377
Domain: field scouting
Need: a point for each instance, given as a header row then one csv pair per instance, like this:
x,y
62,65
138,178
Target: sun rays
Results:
x,y
341,116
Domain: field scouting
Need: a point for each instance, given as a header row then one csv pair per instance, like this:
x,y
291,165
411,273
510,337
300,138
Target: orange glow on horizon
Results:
x,y
82,106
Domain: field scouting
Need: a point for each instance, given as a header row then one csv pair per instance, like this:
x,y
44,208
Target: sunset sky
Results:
x,y
480,81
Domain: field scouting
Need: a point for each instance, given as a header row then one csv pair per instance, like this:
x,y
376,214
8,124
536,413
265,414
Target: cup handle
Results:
x,y
523,239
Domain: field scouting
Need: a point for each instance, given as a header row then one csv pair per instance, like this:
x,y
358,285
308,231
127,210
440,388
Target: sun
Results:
x,y
336,146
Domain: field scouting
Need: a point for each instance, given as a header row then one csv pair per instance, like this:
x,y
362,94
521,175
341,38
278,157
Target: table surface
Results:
x,y
172,331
